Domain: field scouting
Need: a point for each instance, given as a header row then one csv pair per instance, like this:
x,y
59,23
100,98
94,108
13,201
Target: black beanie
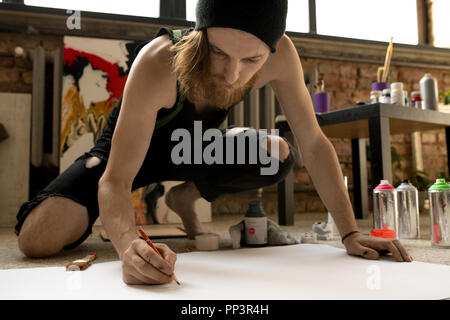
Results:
x,y
265,19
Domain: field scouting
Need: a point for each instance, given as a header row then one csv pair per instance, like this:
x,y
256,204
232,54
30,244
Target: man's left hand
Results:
x,y
371,248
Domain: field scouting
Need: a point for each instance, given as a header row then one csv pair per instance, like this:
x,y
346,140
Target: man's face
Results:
x,y
236,56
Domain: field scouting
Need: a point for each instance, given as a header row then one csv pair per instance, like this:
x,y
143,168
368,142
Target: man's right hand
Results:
x,y
142,265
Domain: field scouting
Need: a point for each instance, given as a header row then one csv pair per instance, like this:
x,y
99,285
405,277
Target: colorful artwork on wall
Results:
x,y
95,72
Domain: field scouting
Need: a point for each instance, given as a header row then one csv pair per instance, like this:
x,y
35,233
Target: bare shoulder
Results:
x,y
157,49
283,64
152,73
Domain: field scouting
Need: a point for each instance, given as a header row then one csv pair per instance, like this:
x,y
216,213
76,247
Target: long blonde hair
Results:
x,y
191,61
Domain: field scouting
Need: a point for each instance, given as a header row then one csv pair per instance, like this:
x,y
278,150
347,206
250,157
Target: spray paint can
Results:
x,y
255,224
439,195
408,211
385,211
429,92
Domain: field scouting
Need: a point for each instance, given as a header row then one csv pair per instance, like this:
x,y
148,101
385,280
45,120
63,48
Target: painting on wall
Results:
x,y
95,72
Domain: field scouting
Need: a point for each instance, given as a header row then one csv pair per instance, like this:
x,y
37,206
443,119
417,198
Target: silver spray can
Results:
x,y
255,225
408,211
429,92
385,211
439,195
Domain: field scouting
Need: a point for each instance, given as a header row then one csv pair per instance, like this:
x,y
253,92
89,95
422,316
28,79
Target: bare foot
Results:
x,y
181,199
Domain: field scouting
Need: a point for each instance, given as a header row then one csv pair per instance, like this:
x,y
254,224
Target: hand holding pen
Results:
x,y
143,265
150,243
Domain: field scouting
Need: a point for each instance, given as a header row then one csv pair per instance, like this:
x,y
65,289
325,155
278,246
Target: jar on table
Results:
x,y
416,100
397,93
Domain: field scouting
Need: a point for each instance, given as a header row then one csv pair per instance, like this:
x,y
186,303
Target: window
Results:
x,y
441,23
356,19
190,9
371,20
298,16
148,8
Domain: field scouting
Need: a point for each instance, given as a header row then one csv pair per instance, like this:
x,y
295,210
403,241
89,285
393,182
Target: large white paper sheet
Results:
x,y
305,271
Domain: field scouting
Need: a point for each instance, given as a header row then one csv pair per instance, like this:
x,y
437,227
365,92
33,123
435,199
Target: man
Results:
x,y
236,46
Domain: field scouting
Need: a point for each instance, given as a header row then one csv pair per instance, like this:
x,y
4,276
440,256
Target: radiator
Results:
x,y
40,58
257,110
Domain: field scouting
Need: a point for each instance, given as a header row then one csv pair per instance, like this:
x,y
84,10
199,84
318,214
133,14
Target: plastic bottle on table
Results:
x,y
386,96
416,100
397,94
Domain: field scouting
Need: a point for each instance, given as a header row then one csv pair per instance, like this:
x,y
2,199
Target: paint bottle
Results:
x,y
416,100
375,96
408,211
397,93
386,96
255,225
439,195
429,92
385,211
406,102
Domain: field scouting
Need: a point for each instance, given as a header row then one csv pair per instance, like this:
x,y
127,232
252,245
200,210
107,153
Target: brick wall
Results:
x,y
351,82
347,82
16,73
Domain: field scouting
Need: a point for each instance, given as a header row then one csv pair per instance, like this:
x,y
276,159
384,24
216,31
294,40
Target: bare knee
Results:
x,y
92,162
283,147
52,225
31,246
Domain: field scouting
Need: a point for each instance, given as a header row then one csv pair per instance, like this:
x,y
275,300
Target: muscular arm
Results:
x,y
149,87
320,157
317,151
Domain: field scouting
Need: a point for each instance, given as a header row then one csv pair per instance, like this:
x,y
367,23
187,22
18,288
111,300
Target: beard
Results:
x,y
218,95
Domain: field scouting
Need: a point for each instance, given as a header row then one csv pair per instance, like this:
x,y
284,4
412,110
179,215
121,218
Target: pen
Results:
x,y
150,243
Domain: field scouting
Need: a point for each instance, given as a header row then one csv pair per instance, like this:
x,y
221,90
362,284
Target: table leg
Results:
x,y
380,149
360,190
285,187
286,200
